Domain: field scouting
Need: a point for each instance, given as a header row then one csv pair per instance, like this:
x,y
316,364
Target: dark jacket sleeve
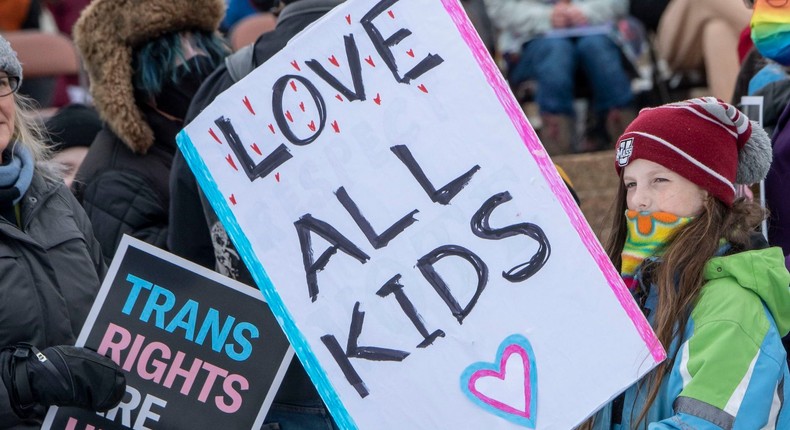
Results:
x,y
121,202
189,235
84,224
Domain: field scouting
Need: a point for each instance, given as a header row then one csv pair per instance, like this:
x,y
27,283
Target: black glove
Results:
x,y
61,376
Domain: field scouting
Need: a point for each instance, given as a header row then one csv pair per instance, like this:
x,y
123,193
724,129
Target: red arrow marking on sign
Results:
x,y
211,132
288,115
370,61
296,65
271,127
348,19
377,99
311,126
293,85
249,106
255,148
277,176
301,106
232,164
410,52
336,126
422,88
232,199
333,60
339,97
392,15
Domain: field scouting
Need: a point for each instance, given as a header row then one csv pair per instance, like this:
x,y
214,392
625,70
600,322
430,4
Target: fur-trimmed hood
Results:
x,y
106,34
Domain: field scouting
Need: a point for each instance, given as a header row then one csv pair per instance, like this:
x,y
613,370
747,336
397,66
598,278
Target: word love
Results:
x,y
356,92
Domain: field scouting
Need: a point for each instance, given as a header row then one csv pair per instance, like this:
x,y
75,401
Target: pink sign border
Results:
x,y
527,133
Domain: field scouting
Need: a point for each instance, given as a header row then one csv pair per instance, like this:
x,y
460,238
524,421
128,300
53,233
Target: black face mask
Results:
x,y
174,98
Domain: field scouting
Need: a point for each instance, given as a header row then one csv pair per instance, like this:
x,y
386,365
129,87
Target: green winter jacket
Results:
x,y
730,365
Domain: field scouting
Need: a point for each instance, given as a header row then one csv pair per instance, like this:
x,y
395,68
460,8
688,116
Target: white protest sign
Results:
x,y
403,222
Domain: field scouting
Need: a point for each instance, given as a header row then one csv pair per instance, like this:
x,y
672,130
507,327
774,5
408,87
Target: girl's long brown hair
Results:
x,y
679,275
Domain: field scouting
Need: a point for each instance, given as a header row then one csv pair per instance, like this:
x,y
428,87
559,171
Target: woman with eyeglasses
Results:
x,y
51,268
697,35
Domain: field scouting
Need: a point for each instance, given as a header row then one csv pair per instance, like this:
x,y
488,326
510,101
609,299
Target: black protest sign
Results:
x,y
199,350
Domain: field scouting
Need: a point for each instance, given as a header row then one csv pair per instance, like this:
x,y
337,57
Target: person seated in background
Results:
x,y
71,131
703,34
547,41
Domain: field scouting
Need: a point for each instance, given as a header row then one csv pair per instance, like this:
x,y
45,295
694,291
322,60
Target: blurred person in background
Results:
x,y
549,41
145,61
71,131
697,35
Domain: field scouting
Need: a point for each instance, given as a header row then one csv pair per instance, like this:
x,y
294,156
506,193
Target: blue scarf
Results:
x,y
16,173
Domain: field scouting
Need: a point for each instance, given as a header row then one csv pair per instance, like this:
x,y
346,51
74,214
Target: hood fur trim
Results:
x,y
107,33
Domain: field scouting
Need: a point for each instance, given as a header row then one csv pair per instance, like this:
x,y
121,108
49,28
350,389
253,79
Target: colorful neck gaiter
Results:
x,y
771,30
647,233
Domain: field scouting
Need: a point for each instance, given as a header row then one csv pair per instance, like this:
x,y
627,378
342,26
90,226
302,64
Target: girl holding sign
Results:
x,y
716,296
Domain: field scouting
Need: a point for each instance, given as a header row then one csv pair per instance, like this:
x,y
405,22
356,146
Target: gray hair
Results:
x,y
29,132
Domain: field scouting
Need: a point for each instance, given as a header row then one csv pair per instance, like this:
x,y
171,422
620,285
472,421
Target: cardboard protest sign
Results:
x,y
399,215
200,351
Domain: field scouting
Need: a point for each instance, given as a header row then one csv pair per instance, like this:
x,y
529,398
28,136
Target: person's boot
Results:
x,y
556,134
595,136
616,122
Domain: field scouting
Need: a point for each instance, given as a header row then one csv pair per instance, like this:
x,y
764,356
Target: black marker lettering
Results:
x,y
354,66
306,225
444,194
353,350
349,372
279,156
279,115
425,264
377,241
384,46
393,286
481,228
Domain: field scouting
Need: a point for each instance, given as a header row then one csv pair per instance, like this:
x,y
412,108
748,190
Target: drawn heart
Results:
x,y
507,387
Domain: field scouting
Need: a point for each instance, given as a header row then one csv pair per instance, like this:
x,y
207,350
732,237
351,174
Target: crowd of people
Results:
x,y
686,241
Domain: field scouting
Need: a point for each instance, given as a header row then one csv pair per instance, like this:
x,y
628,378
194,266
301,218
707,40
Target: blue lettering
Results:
x,y
137,285
246,346
218,336
189,311
151,305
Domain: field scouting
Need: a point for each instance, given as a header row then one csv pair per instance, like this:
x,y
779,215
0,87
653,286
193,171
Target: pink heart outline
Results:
x,y
501,375
512,344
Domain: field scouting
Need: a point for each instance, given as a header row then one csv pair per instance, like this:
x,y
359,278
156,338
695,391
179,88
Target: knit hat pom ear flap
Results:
x,y
754,159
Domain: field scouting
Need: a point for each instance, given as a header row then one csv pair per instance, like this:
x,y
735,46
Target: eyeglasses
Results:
x,y
8,85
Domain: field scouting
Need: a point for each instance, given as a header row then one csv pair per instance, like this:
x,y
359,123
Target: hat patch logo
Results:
x,y
624,151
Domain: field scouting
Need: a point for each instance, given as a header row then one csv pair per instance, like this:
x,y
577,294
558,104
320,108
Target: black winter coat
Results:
x,y
128,193
51,271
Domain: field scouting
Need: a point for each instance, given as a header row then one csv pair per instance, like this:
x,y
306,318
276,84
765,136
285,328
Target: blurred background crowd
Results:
x,y
114,80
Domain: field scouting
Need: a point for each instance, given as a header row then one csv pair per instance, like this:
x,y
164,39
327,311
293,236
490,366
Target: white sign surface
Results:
x,y
407,228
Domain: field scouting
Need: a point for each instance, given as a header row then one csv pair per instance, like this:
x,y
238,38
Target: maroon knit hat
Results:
x,y
705,140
